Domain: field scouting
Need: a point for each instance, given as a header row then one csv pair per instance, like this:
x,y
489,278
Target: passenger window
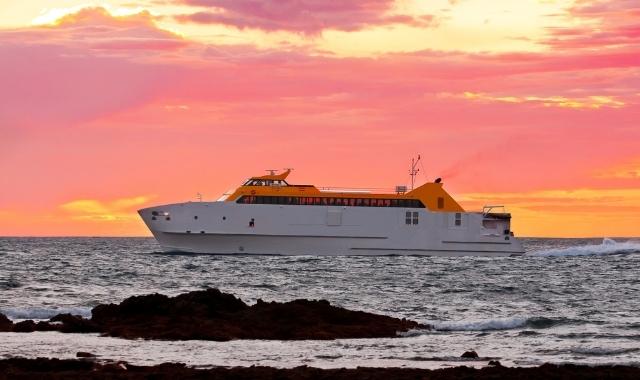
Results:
x,y
407,219
458,221
415,217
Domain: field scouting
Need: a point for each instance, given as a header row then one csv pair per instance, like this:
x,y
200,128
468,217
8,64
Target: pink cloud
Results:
x,y
88,120
609,24
306,16
88,65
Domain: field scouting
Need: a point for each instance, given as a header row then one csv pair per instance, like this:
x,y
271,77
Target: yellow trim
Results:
x,y
428,193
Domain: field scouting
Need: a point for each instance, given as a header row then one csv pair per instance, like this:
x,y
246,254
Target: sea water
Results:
x,y
565,301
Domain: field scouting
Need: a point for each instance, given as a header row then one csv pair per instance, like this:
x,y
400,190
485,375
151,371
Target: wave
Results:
x,y
608,247
43,313
489,325
601,351
497,324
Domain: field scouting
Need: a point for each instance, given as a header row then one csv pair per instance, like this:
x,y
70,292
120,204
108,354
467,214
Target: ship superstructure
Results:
x,y
267,215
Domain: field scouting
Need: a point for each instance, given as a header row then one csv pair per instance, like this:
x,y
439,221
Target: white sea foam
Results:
x,y
43,313
608,247
604,350
481,325
488,324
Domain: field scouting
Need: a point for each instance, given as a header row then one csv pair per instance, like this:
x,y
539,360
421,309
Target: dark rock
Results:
x,y
213,315
24,326
82,369
45,326
82,354
470,355
495,363
74,324
6,324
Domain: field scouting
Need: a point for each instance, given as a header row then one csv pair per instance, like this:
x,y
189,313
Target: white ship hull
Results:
x,y
225,228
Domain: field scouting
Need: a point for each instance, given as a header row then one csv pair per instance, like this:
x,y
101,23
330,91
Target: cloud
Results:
x,y
628,170
572,212
83,110
86,65
592,101
302,16
598,24
122,209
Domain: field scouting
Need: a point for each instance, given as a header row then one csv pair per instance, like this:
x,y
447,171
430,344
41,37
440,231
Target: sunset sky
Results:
x,y
109,106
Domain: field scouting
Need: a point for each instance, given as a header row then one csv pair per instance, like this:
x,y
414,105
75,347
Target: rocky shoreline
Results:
x,y
42,368
213,315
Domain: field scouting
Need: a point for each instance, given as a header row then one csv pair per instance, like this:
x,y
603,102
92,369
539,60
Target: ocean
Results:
x,y
565,301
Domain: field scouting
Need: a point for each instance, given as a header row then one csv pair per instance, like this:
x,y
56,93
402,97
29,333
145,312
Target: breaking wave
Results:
x,y
490,325
43,313
608,247
497,324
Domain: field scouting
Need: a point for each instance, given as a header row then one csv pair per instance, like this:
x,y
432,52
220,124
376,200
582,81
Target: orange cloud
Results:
x,y
629,170
97,106
593,101
568,213
95,210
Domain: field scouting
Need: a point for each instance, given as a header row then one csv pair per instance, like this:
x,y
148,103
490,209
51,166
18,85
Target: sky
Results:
x,y
110,106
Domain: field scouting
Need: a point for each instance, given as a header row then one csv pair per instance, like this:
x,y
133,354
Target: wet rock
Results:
x,y
495,363
83,369
213,315
82,354
470,355
74,324
24,326
5,323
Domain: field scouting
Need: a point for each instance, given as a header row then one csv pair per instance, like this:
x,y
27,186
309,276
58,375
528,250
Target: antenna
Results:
x,y
199,196
272,171
414,170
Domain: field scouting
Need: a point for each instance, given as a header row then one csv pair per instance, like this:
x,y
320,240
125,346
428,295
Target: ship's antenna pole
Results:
x,y
414,170
199,196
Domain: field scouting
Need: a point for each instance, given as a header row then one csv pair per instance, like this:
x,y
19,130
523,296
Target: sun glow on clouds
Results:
x,y
583,212
593,102
630,170
533,104
95,210
51,16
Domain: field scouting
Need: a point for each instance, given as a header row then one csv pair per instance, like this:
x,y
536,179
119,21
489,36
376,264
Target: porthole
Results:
x,y
195,217
168,218
153,218
224,218
201,232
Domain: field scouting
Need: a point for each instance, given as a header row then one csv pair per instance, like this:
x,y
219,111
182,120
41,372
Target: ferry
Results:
x,y
267,215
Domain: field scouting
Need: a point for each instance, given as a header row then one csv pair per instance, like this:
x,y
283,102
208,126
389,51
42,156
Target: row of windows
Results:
x,y
331,201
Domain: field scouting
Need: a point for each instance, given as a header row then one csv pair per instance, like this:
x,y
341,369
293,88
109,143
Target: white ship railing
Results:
x,y
489,209
333,189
